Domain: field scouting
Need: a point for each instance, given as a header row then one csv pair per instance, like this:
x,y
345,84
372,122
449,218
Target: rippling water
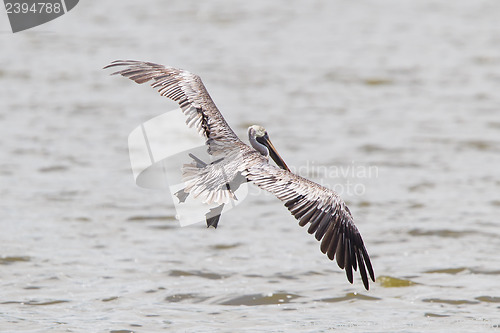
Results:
x,y
407,88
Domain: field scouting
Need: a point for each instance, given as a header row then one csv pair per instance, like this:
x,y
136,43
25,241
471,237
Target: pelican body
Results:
x,y
327,215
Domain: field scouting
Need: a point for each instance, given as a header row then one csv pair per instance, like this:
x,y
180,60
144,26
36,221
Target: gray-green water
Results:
x,y
408,88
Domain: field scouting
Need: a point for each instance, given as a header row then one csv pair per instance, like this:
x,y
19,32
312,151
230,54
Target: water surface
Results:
x,y
409,88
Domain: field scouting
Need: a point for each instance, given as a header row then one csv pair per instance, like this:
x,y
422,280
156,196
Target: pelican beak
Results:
x,y
272,151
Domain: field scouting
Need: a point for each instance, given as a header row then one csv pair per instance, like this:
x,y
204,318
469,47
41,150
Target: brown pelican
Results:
x,y
328,216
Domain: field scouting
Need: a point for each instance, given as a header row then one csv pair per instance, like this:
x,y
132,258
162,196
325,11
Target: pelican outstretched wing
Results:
x,y
328,216
188,91
212,181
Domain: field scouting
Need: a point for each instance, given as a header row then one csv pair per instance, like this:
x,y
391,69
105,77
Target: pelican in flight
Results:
x,y
321,208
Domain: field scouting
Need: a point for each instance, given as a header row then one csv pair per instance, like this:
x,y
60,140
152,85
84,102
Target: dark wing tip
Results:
x,y
368,263
115,63
133,65
144,71
341,241
359,253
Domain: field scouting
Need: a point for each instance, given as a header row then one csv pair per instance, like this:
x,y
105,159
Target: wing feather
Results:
x,y
330,220
188,91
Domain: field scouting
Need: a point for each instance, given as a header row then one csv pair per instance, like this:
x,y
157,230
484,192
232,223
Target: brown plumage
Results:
x,y
311,204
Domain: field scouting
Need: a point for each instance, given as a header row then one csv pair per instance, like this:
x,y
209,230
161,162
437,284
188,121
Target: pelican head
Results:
x,y
259,139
